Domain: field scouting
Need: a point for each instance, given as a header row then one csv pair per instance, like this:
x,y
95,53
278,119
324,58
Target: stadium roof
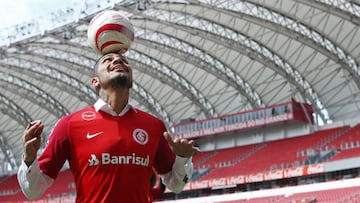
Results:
x,y
191,59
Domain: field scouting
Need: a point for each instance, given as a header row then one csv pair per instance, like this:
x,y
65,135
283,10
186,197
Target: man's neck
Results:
x,y
116,99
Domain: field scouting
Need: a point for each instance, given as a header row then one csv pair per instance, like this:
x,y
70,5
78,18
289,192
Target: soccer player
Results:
x,y
157,190
111,146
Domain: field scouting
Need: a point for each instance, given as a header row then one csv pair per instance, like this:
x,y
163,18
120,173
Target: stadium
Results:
x,y
269,91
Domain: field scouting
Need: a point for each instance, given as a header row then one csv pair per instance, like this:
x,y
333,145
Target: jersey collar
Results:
x,y
105,107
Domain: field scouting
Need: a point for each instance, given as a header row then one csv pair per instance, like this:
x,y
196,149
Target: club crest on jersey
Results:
x,y
140,136
88,115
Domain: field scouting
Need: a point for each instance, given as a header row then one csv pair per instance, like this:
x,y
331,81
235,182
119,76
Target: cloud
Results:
x,y
13,12
8,15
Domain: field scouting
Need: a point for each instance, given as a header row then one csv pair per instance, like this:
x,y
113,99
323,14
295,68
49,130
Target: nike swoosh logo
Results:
x,y
89,136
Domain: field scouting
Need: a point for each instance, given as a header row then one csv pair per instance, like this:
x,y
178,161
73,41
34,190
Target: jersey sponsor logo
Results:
x,y
93,161
107,158
88,115
140,136
89,136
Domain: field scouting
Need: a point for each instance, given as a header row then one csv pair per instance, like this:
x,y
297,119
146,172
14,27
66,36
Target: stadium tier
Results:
x,y
266,156
297,157
243,166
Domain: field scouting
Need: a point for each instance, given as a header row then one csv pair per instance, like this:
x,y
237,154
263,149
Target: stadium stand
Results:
x,y
244,160
62,187
326,155
255,158
347,145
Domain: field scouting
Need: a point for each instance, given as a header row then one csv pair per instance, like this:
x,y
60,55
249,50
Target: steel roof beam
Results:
x,y
56,75
77,53
281,23
173,79
182,85
203,60
14,111
147,98
33,93
251,48
8,107
53,77
9,157
345,10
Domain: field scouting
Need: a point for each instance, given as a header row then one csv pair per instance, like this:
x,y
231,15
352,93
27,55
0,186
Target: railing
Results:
x,y
244,120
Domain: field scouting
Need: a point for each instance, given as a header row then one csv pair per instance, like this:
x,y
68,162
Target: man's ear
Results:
x,y
95,82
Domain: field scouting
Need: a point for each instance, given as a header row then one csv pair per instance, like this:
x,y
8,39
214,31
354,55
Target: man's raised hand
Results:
x,y
181,147
32,141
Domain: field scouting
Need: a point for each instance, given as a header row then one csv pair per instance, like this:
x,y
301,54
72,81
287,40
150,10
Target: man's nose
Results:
x,y
116,59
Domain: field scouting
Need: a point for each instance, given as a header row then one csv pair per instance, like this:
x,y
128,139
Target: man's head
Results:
x,y
112,71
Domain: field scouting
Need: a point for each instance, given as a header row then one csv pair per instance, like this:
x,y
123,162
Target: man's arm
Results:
x,y
180,174
32,181
182,168
35,175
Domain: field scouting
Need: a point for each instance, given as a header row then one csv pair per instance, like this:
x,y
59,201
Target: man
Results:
x,y
111,147
157,190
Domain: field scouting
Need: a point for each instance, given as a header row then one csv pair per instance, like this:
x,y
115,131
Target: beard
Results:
x,y
122,81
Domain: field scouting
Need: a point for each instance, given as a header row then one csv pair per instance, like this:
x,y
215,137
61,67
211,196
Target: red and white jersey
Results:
x,y
111,157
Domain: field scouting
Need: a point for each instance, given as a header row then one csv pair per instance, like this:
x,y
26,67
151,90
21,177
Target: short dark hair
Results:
x,y
96,66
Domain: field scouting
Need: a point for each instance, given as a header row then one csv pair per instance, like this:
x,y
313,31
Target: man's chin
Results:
x,y
121,82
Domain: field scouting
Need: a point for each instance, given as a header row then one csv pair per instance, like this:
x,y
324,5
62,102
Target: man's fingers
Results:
x,y
32,141
39,130
196,149
33,123
181,147
34,129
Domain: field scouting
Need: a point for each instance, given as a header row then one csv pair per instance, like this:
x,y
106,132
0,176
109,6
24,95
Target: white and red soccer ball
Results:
x,y
110,31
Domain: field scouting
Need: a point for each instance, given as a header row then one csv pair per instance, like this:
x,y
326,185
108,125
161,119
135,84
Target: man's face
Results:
x,y
114,71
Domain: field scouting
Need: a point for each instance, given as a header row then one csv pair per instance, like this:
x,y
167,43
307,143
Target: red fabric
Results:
x,y
157,191
113,164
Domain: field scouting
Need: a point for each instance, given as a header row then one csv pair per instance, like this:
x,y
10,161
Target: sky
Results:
x,y
16,11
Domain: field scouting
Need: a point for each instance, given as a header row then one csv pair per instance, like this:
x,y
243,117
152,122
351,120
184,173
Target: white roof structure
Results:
x,y
191,59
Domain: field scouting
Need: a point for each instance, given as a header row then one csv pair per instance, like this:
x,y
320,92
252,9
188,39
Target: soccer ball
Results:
x,y
110,31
